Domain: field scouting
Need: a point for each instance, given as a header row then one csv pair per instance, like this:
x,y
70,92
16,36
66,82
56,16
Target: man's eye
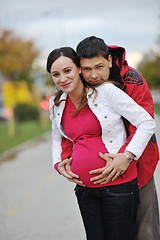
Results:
x,y
99,66
86,69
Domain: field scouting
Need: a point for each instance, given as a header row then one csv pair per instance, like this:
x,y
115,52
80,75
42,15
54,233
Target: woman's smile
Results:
x,y
65,85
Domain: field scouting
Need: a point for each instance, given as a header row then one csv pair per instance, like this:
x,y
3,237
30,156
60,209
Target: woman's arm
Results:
x,y
61,159
135,114
125,106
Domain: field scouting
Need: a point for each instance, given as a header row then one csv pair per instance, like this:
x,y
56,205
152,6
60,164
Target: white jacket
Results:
x,y
110,104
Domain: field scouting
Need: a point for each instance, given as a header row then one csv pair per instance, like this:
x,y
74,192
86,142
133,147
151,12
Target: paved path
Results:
x,y
36,203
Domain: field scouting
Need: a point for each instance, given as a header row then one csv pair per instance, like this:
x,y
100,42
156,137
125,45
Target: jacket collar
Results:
x,y
63,96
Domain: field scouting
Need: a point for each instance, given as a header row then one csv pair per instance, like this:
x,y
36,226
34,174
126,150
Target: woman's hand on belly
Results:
x,y
65,169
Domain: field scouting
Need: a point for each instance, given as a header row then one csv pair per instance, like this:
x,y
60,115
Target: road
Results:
x,y
36,203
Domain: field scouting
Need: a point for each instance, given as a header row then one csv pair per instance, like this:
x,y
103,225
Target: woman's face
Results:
x,y
65,74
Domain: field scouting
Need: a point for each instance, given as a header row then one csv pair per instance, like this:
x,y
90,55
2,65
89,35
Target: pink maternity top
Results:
x,y
85,130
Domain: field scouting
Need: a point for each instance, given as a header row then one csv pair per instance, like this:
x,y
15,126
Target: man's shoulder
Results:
x,y
137,88
133,77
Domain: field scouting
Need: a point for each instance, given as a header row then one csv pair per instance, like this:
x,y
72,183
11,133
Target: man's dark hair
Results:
x,y
92,47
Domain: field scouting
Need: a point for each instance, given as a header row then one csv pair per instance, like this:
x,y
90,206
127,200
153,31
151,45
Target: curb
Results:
x,y
9,154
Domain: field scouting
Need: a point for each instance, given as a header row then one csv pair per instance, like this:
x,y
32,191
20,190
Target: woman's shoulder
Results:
x,y
110,94
108,89
107,86
51,102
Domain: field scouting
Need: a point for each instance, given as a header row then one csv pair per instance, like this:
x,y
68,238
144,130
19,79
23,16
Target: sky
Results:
x,y
133,24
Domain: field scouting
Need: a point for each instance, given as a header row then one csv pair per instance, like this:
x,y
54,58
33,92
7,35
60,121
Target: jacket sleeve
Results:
x,y
136,115
56,138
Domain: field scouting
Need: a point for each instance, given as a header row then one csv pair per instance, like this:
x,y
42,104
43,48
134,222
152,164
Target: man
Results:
x,y
89,51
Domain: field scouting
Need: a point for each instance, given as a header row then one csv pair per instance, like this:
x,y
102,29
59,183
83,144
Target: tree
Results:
x,y
150,69
16,57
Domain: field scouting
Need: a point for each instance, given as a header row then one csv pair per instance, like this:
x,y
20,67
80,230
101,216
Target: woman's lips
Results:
x,y
65,85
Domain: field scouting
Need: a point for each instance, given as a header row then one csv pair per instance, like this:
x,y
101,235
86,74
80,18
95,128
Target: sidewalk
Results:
x,y
36,203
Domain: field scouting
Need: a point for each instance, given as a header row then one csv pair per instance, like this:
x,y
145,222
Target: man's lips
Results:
x,y
95,81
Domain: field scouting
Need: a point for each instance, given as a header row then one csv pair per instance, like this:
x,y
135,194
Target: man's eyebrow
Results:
x,y
101,63
85,66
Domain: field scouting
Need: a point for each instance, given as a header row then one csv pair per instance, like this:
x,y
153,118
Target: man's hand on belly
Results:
x,y
101,178
116,165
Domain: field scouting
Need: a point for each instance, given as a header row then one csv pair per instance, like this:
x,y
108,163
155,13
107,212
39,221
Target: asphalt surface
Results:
x,y
37,203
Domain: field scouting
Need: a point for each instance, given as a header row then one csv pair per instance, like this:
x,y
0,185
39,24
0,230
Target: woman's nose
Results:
x,y
63,78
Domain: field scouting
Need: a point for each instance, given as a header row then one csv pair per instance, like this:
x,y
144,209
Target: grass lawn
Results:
x,y
157,108
23,132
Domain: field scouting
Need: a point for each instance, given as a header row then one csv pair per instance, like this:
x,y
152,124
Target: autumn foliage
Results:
x,y
150,69
16,57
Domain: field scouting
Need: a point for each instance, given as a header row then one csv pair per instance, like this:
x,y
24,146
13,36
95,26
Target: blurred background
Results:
x,y
29,30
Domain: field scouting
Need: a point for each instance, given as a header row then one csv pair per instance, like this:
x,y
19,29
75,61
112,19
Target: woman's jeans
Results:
x,y
109,212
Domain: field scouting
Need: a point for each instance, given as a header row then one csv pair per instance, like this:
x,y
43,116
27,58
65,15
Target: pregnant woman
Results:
x,y
91,117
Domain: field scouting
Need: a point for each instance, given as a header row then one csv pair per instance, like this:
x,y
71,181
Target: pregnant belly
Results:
x,y
86,158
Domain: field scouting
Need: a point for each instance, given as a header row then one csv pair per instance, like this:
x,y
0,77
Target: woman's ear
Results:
x,y
80,70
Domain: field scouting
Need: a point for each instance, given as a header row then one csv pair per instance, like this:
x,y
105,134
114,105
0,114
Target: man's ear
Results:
x,y
110,61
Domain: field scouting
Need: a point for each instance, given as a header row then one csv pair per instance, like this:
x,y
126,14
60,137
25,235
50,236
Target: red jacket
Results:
x,y
136,87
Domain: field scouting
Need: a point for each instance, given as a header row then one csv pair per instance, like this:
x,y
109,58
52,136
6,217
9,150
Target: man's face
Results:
x,y
96,70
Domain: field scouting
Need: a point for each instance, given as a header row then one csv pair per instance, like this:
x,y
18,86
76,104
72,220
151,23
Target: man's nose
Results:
x,y
94,74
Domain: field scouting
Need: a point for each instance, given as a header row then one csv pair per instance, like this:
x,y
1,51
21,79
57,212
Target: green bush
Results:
x,y
24,112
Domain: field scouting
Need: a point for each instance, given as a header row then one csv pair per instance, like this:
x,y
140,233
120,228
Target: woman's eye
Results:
x,y
67,70
55,74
